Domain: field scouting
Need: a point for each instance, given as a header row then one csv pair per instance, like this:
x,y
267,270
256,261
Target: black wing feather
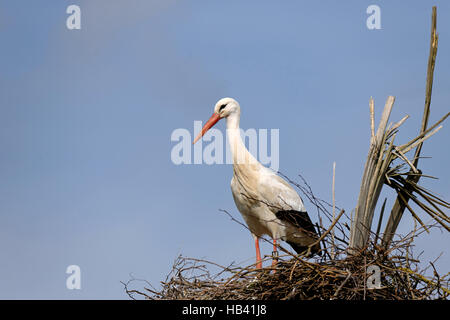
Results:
x,y
301,220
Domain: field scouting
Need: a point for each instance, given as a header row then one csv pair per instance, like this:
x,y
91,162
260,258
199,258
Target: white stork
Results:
x,y
268,204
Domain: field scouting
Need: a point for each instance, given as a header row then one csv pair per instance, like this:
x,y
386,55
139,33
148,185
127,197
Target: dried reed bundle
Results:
x,y
383,167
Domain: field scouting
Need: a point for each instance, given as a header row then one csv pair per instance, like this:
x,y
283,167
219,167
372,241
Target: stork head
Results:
x,y
227,106
224,108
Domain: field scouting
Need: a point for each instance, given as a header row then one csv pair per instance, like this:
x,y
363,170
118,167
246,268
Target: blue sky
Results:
x,y
86,118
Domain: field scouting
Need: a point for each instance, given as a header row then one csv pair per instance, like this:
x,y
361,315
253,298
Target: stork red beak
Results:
x,y
208,125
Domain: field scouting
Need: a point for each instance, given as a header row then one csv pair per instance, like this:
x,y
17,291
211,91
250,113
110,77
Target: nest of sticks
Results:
x,y
298,279
358,261
336,274
295,278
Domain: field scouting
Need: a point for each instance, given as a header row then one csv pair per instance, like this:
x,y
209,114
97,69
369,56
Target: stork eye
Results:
x,y
222,106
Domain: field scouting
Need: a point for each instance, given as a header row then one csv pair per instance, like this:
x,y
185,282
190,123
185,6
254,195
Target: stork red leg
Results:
x,y
258,254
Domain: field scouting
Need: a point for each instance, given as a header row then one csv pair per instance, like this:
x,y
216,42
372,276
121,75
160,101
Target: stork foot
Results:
x,y
274,259
274,254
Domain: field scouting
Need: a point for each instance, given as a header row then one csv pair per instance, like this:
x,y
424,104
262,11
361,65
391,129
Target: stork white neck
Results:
x,y
241,156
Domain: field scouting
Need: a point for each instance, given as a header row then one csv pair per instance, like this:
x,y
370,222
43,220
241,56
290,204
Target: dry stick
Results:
x,y
423,136
398,209
342,284
328,231
397,125
292,271
379,221
419,140
402,197
403,156
418,275
379,182
365,277
333,249
372,118
429,84
435,198
428,210
438,212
